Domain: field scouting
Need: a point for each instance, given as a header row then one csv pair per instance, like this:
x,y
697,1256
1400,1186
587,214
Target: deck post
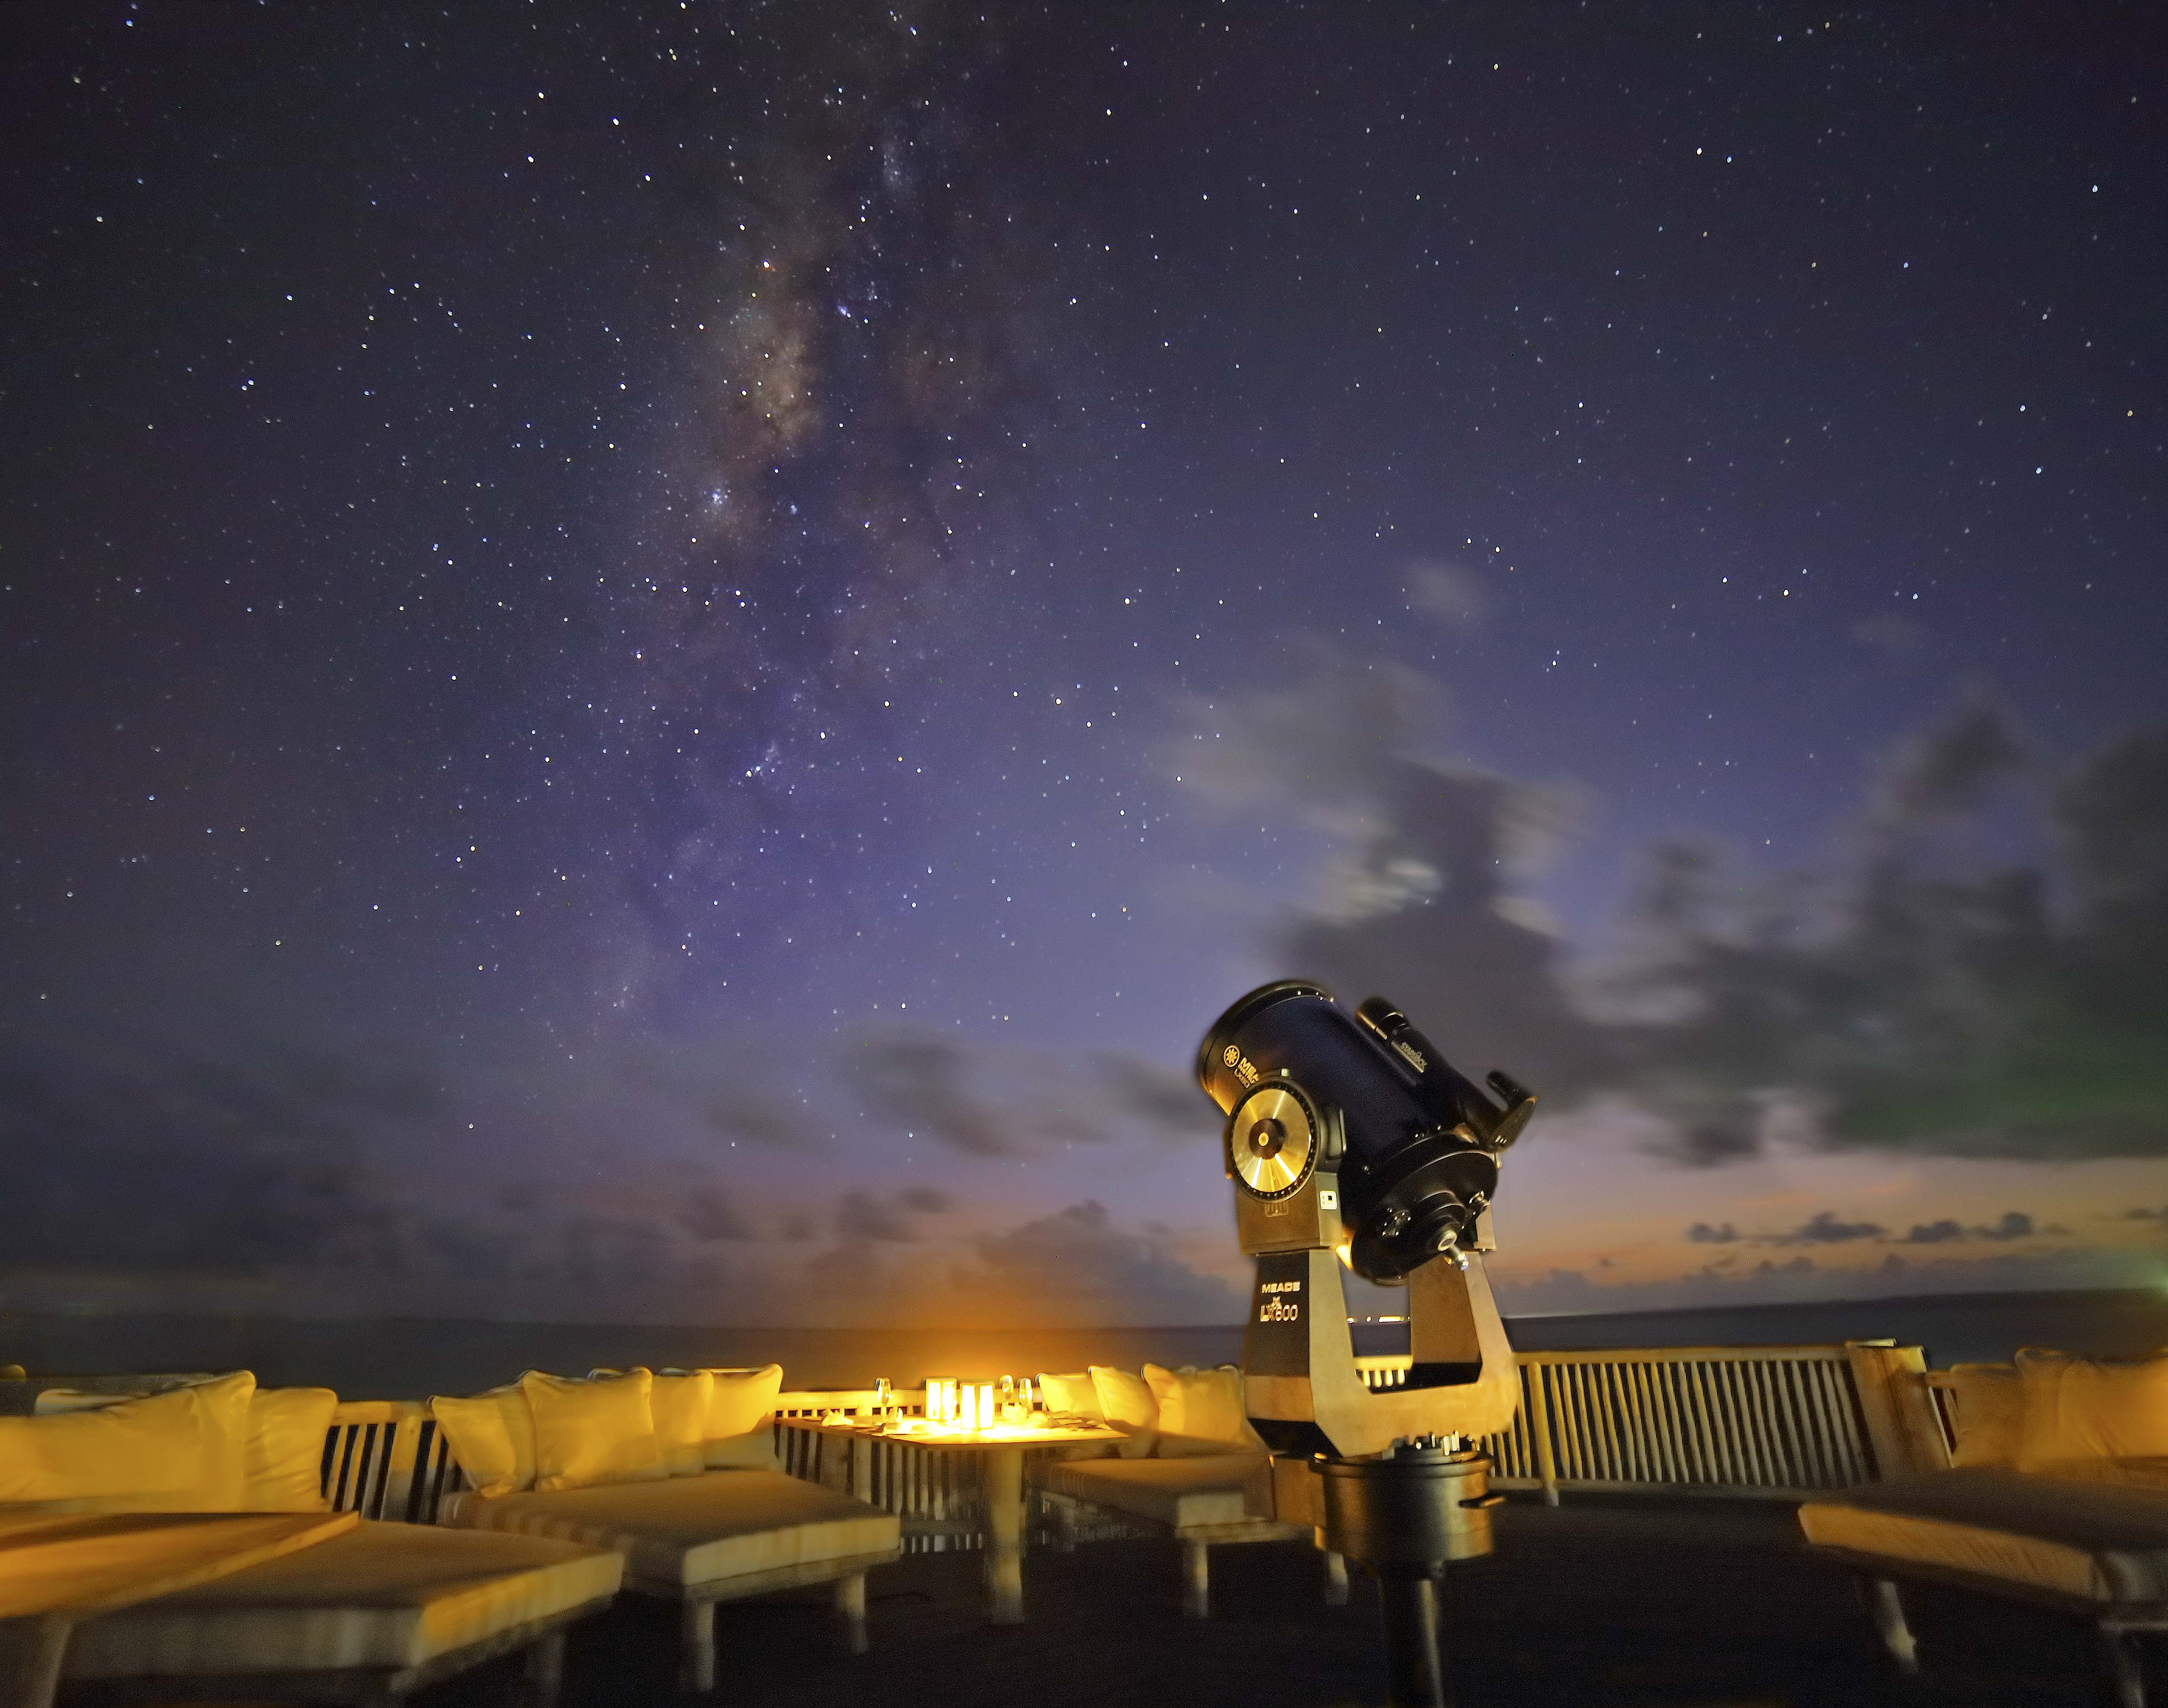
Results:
x,y
1335,1579
1540,1432
1891,1383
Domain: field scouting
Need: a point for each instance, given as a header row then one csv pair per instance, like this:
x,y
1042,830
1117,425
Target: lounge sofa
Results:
x,y
366,1616
2057,1495
692,1500
1188,1467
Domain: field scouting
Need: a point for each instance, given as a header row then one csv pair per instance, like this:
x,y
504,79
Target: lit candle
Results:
x,y
987,1415
967,1407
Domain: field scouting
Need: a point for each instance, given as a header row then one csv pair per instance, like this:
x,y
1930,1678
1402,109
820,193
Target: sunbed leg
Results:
x,y
545,1669
1889,1619
1196,1581
1065,1523
696,1668
31,1650
850,1605
1335,1579
2126,1677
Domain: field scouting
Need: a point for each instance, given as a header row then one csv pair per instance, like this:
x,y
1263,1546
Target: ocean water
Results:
x,y
410,1358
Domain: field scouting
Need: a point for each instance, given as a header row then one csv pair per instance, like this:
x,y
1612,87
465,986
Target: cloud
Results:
x,y
1165,1100
1455,597
926,1200
1701,1233
1982,970
921,1083
1825,1227
1941,1232
708,1214
860,1215
2014,1224
1078,1264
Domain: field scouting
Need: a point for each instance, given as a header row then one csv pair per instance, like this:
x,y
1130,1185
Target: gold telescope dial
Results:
x,y
1271,1141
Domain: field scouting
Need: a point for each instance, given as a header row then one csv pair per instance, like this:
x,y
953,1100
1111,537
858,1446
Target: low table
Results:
x,y
59,1569
1001,1482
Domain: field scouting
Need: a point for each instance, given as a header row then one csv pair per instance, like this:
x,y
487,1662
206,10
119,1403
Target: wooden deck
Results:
x,y
1627,1601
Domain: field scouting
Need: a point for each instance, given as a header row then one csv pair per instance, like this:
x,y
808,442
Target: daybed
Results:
x,y
694,1503
365,1616
1188,1467
2057,1496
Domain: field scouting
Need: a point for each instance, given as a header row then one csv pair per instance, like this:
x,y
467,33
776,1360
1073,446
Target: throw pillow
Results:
x,y
476,1430
2091,1409
283,1464
1126,1402
1200,1412
592,1432
177,1451
1987,1402
1077,1394
741,1418
680,1405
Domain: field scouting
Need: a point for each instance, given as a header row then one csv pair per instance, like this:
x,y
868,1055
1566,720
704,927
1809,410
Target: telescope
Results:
x,y
1352,1142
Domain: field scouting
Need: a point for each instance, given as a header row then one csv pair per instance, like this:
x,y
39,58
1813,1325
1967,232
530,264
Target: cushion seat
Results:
x,y
2081,1531
388,1596
1179,1493
693,1531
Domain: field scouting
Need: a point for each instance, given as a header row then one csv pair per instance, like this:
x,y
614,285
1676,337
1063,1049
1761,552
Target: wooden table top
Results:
x,y
922,1433
80,1564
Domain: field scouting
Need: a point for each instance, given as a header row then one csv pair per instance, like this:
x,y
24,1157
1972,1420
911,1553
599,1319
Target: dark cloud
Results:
x,y
1164,1099
2014,1224
1085,1268
926,1200
708,1215
860,1215
1940,1232
1825,1227
1701,1233
922,1084
1927,991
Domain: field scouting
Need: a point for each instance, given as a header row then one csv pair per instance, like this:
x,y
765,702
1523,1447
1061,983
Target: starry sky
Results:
x,y
661,660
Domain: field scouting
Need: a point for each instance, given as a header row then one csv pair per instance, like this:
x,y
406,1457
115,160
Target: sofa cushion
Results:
x,y
599,1430
283,1463
699,1530
480,1431
183,1450
1126,1402
2103,1541
741,1405
385,1595
1178,1493
1201,1412
1987,1403
2091,1409
1075,1393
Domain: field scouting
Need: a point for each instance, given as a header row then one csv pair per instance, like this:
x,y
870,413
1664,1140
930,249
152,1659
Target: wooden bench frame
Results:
x,y
366,1687
1197,1541
2115,1624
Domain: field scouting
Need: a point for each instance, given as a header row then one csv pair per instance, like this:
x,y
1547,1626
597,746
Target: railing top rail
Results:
x,y
1646,1355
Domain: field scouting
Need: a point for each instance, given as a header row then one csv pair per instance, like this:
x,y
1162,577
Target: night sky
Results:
x,y
661,660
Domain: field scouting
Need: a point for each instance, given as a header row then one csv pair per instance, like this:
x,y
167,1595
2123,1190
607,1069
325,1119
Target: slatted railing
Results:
x,y
1777,1422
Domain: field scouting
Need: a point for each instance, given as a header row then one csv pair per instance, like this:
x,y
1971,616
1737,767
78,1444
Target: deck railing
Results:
x,y
1777,1422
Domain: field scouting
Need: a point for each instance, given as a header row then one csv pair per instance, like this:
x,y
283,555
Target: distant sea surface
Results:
x,y
410,1358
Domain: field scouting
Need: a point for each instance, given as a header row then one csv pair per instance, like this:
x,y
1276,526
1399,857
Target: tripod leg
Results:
x,y
1416,1679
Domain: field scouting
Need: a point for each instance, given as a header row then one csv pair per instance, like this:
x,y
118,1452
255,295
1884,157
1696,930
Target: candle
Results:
x,y
967,1407
987,1415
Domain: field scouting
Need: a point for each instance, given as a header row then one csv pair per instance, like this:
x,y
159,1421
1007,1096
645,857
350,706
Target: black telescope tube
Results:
x,y
1409,1180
